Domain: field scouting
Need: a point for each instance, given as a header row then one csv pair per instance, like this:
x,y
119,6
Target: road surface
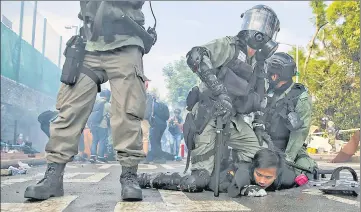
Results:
x,y
96,187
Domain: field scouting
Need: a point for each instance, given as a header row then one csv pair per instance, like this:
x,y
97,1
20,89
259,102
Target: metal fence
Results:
x,y
33,52
34,28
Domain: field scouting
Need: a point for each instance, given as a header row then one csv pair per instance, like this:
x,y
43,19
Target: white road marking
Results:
x,y
94,178
56,204
167,166
107,166
147,166
317,192
20,180
173,166
140,166
335,165
71,167
179,202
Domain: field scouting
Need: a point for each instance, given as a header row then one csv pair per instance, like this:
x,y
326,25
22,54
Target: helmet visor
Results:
x,y
262,21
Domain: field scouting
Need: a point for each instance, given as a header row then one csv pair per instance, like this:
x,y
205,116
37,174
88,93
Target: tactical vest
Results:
x,y
240,80
106,18
276,113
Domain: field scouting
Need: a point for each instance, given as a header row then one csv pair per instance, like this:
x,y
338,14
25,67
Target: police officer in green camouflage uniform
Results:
x,y
229,88
113,52
287,116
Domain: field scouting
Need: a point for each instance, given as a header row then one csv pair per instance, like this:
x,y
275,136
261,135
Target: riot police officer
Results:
x,y
230,88
287,117
111,47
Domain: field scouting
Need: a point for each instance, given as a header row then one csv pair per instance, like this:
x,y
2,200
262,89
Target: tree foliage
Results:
x,y
332,74
179,81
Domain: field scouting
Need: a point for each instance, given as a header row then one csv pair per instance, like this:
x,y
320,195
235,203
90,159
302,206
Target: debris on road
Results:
x,y
5,172
22,169
23,165
17,171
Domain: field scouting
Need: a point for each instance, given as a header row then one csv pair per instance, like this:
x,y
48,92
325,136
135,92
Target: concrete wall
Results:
x,y
23,104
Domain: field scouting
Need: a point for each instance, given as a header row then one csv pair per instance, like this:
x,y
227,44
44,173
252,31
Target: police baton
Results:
x,y
218,157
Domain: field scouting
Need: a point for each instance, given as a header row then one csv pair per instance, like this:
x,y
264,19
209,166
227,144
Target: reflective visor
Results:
x,y
260,20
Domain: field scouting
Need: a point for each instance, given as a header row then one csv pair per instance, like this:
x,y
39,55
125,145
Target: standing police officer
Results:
x,y
116,43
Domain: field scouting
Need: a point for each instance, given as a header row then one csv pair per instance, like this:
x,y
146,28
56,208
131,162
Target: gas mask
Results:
x,y
267,50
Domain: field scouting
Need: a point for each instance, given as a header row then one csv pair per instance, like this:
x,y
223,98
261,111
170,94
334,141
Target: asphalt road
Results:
x,y
96,187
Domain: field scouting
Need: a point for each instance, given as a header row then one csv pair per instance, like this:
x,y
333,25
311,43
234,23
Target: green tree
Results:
x,y
179,81
318,9
332,69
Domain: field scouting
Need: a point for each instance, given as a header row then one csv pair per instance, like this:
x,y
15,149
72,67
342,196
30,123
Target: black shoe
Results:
x,y
50,186
131,190
92,159
102,160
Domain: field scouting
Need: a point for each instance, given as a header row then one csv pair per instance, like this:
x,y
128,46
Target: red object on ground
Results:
x,y
182,150
301,179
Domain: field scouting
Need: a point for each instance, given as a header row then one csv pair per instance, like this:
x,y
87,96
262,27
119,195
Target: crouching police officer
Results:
x,y
229,89
287,116
115,44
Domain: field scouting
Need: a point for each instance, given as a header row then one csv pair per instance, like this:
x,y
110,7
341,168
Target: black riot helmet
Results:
x,y
282,64
260,25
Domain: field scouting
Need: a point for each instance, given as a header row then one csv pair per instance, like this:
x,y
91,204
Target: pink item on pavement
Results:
x,y
301,179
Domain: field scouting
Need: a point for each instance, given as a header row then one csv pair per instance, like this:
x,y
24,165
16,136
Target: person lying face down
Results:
x,y
266,172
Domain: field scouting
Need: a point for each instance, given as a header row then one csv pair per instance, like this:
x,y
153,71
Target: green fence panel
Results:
x,y
30,66
8,42
36,71
51,78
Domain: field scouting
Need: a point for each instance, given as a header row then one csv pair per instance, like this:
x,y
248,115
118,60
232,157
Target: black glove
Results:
x,y
262,135
224,107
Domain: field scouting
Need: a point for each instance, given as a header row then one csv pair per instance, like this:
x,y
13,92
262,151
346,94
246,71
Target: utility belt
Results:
x,y
73,65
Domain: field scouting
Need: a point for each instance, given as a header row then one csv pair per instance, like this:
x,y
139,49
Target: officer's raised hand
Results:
x,y
224,107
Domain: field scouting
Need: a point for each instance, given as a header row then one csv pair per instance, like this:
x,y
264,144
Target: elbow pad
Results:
x,y
199,62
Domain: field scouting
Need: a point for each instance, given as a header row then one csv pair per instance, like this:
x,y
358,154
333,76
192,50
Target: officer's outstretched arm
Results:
x,y
204,60
298,137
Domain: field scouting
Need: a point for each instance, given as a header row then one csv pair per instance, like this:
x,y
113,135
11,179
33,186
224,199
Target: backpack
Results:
x,y
97,114
161,111
45,118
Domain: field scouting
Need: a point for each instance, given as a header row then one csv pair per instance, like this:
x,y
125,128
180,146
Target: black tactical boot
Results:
x,y
130,185
166,181
50,186
144,180
196,182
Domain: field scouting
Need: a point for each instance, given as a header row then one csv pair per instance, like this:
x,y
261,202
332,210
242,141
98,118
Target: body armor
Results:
x,y
277,116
